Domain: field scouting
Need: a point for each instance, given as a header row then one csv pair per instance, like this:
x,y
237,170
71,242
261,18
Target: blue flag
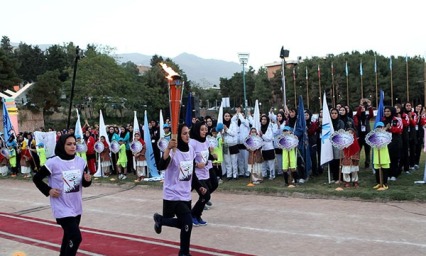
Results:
x,y
361,72
150,158
188,116
301,132
379,114
7,124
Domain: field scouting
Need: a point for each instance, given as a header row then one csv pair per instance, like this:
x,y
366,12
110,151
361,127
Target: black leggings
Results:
x,y
72,235
182,210
198,208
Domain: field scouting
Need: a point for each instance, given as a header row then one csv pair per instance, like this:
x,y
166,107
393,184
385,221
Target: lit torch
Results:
x,y
175,97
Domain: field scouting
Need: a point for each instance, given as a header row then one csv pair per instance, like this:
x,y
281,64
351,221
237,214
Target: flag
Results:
x,y
219,125
326,131
102,132
256,116
302,133
294,74
161,124
135,124
7,124
78,131
102,128
188,115
379,114
406,58
150,159
361,73
375,65
332,69
319,71
346,69
390,63
307,73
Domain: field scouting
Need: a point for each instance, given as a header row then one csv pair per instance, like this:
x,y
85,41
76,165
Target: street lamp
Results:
x,y
78,55
284,54
243,60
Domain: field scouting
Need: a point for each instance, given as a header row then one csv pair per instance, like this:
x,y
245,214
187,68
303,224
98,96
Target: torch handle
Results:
x,y
174,137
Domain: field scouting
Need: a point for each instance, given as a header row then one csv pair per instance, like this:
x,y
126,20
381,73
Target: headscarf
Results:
x,y
195,132
182,146
60,147
227,123
264,127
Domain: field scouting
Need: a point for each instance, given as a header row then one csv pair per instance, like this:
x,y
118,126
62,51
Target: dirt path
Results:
x,y
247,224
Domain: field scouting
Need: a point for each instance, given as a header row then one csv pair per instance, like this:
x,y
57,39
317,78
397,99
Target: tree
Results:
x,y
46,93
31,62
8,75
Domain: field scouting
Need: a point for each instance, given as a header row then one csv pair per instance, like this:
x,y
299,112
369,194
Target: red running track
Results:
x,y
48,235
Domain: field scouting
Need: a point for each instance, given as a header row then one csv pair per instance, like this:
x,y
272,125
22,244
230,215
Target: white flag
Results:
x,y
78,131
102,128
256,116
136,125
327,131
161,124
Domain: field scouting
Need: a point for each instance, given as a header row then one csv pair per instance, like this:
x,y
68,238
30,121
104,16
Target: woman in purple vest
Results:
x,y
178,163
67,174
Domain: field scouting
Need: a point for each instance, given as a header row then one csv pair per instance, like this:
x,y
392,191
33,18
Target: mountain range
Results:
x,y
203,72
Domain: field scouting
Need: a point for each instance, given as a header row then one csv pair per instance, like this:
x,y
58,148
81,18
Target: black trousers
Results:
x,y
72,235
198,208
182,210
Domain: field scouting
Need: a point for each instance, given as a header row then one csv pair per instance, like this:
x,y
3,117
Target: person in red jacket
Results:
x,y
90,153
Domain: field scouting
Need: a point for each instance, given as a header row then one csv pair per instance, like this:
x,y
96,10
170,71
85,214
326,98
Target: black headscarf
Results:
x,y
227,123
60,147
264,127
182,146
195,132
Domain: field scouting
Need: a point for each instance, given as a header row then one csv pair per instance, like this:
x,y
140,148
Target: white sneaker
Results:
x,y
124,177
393,178
301,181
416,166
120,176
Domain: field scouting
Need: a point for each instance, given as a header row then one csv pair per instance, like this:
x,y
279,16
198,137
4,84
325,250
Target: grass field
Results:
x,y
403,189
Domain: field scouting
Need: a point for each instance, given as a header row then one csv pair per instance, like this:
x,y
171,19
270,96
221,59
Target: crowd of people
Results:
x,y
208,152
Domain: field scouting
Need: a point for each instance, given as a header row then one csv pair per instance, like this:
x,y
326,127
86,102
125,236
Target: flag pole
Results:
x,y
307,87
319,84
391,82
362,86
406,71
375,72
347,83
332,85
294,86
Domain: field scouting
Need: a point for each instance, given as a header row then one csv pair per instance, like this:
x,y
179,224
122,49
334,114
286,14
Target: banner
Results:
x,y
49,141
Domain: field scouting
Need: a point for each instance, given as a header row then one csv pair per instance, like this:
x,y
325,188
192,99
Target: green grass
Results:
x,y
403,189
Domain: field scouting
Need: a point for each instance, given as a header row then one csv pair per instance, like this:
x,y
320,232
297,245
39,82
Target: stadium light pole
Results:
x,y
243,56
78,56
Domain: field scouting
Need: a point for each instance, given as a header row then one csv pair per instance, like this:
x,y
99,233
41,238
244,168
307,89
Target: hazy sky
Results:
x,y
222,28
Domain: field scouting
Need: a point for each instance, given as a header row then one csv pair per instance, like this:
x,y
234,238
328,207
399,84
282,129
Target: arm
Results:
x,y
38,180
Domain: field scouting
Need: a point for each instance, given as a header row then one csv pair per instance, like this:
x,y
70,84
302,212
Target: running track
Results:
x,y
48,235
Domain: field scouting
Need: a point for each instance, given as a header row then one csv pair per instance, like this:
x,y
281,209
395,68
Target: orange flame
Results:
x,y
171,73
